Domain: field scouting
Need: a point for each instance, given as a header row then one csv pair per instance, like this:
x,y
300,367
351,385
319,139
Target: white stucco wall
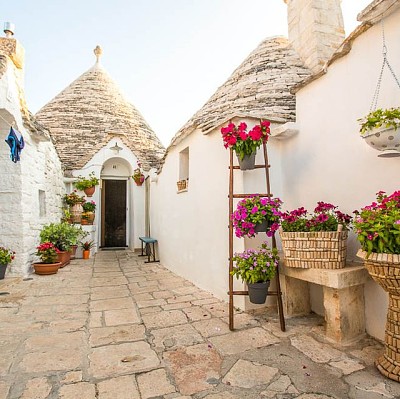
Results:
x,y
192,226
328,160
39,169
107,164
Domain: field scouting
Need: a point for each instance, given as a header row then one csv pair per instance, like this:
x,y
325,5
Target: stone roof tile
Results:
x,y
85,116
259,87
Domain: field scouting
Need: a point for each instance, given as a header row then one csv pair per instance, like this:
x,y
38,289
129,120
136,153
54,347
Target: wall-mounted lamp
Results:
x,y
116,148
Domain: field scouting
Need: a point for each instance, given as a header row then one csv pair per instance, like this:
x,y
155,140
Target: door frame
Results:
x,y
102,207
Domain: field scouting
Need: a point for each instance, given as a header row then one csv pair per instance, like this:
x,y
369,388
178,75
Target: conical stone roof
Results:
x,y
85,116
259,87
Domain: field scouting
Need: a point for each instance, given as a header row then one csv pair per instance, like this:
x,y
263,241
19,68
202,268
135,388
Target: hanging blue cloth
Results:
x,y
16,143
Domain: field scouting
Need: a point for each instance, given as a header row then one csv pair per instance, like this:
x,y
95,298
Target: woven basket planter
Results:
x,y
315,250
385,270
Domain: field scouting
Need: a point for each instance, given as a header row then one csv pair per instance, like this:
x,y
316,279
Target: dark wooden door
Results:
x,y
114,219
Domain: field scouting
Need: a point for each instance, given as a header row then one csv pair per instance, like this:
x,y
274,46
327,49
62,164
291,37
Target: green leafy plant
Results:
x,y
73,198
378,225
138,175
47,252
62,235
86,182
256,266
6,256
389,118
87,245
89,206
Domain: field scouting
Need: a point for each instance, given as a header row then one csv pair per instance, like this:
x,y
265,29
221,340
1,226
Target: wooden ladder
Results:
x,y
233,196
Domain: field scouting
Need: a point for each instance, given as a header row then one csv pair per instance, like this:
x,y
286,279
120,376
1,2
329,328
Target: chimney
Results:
x,y
11,47
316,30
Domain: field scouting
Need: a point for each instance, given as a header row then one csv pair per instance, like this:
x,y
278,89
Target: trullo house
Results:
x,y
312,86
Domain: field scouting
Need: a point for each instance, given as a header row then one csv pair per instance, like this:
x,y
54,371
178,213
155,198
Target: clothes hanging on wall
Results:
x,y
16,143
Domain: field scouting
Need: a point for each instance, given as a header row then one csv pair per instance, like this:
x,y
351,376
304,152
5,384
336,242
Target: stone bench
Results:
x,y
343,291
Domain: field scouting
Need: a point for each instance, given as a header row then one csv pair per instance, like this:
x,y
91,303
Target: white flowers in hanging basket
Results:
x,y
381,130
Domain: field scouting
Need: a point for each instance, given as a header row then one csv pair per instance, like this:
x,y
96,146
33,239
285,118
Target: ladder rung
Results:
x,y
251,195
255,167
247,293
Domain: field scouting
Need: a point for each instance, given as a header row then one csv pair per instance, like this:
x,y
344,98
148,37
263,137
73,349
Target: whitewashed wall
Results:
x,y
39,169
125,162
192,226
328,160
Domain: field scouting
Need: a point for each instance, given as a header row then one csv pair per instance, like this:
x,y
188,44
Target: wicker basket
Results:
x,y
316,250
385,270
181,185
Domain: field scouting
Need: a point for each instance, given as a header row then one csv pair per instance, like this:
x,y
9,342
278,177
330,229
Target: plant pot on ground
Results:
x,y
86,247
62,235
378,229
6,257
47,253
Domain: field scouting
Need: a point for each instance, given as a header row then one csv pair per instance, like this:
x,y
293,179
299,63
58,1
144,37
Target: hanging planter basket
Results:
x,y
385,140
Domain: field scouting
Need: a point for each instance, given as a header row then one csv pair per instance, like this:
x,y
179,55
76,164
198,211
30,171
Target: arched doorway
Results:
x,y
114,203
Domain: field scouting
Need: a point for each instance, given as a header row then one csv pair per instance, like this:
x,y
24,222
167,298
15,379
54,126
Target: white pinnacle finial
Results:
x,y
98,52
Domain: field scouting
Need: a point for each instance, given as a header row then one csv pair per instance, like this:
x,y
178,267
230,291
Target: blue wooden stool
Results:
x,y
147,248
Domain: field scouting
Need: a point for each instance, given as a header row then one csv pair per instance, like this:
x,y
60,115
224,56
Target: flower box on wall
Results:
x,y
181,184
315,249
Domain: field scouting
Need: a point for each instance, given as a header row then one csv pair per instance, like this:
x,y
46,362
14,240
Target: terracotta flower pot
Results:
x,y
86,254
89,191
46,268
72,251
64,257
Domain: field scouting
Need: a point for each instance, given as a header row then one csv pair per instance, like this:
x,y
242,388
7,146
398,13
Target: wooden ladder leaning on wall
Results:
x,y
233,196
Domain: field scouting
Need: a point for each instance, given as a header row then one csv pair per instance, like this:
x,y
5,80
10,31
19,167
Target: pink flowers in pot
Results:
x,y
378,225
252,211
326,217
243,142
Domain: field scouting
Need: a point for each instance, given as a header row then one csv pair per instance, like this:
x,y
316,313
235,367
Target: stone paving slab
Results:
x,y
116,328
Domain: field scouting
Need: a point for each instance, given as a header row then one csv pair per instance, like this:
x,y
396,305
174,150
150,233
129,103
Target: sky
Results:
x,y
167,56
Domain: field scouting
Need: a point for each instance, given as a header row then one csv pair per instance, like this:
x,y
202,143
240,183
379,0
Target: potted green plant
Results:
x,y
245,144
316,240
87,184
77,233
380,129
61,235
256,268
6,257
255,214
74,201
86,247
48,254
138,176
378,230
89,208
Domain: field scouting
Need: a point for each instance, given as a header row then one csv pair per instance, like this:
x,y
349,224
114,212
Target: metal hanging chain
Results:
x,y
385,62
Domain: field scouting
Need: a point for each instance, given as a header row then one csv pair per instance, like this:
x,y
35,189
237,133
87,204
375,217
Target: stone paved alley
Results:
x,y
115,328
